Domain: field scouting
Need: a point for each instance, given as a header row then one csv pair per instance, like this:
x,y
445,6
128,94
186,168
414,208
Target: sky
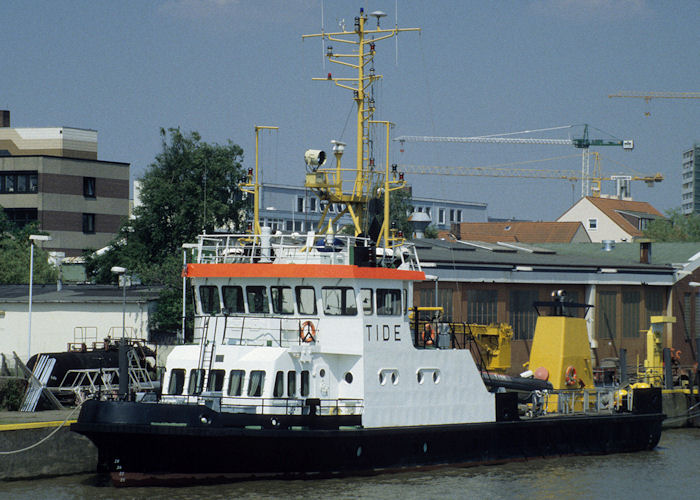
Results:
x,y
221,67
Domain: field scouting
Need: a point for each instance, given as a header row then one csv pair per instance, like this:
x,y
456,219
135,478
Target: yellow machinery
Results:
x,y
654,362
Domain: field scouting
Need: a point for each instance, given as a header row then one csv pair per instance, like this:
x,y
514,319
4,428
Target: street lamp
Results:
x,y
121,272
32,238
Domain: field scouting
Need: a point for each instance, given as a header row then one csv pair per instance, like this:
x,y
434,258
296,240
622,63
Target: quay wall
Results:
x,y
65,452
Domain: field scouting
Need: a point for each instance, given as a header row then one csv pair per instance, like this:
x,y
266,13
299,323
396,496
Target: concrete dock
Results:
x,y
40,444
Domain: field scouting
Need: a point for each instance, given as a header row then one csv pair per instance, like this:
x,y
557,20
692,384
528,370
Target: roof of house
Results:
x,y
614,208
78,294
524,232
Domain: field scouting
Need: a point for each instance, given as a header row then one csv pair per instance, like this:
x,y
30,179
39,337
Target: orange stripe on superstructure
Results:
x,y
299,271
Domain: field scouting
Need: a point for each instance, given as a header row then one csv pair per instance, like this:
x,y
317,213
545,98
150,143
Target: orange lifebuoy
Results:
x,y
571,378
428,334
307,332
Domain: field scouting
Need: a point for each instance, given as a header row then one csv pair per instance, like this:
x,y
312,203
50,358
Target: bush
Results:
x,y
12,393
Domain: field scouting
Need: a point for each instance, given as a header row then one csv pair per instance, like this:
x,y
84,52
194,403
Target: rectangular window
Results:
x,y
300,204
339,301
654,300
299,225
452,215
289,225
304,383
441,216
209,299
306,300
256,383
459,216
282,299
606,315
482,306
10,183
522,313
312,205
592,224
88,223
177,381
278,390
235,382
33,183
630,313
367,302
388,302
216,380
89,187
233,299
21,216
257,299
196,382
22,183
291,384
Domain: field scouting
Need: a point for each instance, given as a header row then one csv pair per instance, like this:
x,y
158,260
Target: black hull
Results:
x,y
143,452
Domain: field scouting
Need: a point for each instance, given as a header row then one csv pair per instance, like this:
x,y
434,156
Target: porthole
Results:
x,y
348,377
322,373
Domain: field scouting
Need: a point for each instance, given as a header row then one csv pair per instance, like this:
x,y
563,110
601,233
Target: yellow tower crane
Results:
x,y
648,96
508,170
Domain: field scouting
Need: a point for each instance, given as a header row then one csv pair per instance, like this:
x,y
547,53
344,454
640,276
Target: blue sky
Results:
x,y
220,67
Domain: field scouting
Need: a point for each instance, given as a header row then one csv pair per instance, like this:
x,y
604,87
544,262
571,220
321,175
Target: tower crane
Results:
x,y
584,142
648,96
506,170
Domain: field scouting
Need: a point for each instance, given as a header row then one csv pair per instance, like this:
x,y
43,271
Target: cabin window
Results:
x,y
256,383
304,383
278,391
282,299
196,382
367,302
339,301
216,380
177,381
257,299
388,302
235,382
291,383
306,300
233,299
209,298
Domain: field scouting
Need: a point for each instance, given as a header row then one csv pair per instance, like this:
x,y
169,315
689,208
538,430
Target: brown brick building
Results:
x,y
53,176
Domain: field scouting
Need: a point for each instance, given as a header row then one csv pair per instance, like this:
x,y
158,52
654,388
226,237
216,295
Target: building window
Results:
x,y
482,306
88,223
312,205
13,182
654,300
300,204
89,187
458,214
452,215
592,224
441,216
522,313
21,216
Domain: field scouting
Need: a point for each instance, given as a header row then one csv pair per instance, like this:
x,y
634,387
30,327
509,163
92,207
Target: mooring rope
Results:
x,y
46,438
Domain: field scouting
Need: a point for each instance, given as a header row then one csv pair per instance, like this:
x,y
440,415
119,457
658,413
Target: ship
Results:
x,y
310,360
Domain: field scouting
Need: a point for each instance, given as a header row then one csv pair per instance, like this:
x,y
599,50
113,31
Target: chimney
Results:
x,y
645,252
4,117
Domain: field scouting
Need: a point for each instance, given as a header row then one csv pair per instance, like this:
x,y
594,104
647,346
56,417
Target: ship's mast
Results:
x,y
328,183
252,183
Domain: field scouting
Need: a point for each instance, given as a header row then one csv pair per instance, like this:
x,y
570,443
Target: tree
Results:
x,y
15,255
191,187
675,227
431,232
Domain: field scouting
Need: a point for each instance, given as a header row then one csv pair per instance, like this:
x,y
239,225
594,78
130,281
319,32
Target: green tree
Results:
x,y
15,255
191,187
675,227
431,232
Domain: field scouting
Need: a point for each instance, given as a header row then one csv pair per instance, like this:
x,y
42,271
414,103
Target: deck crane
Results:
x,y
506,170
648,96
584,142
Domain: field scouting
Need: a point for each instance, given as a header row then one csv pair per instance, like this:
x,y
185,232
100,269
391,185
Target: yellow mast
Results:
x,y
252,185
327,183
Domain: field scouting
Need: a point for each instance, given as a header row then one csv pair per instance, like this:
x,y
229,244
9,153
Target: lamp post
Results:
x,y
32,239
123,357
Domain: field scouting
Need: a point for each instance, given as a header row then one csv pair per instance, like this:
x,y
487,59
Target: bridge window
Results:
x,y
257,299
216,380
256,383
282,299
306,300
339,301
278,391
388,302
235,382
367,302
177,381
209,299
305,383
291,383
196,382
233,299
